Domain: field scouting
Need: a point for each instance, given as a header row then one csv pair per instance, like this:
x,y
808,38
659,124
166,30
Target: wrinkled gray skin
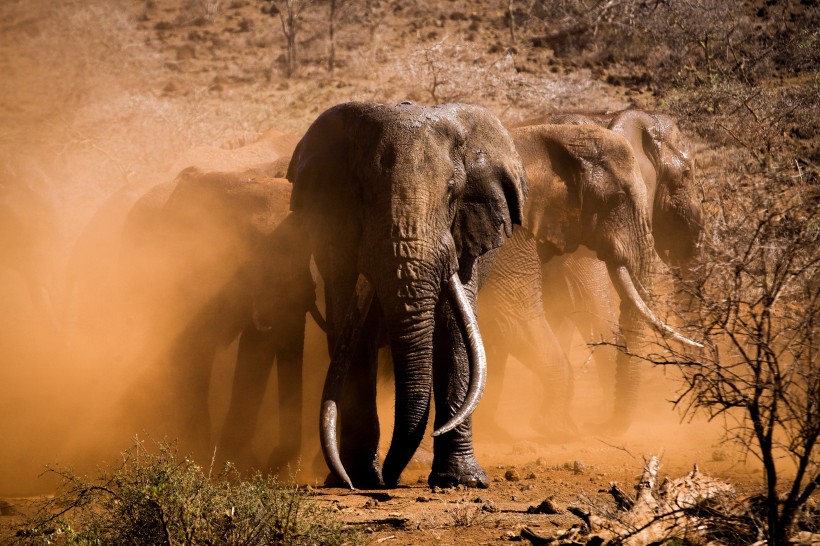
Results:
x,y
578,283
28,232
585,189
209,257
404,196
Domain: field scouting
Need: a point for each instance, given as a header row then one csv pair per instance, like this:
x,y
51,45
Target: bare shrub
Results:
x,y
686,41
290,14
453,70
466,514
756,304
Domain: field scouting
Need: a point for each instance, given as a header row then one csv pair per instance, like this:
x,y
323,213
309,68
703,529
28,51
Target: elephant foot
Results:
x,y
362,478
616,426
464,471
556,429
283,459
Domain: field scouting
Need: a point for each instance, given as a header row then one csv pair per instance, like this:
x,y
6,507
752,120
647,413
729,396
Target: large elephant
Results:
x,y
578,282
586,189
403,204
208,257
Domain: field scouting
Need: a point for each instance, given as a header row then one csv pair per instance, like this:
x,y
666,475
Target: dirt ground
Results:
x,y
105,95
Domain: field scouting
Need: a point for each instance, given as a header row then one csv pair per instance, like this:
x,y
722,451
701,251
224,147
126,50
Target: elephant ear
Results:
x,y
321,162
496,186
643,130
557,184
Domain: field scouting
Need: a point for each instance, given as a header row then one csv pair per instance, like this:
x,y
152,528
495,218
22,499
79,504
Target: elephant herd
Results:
x,y
401,215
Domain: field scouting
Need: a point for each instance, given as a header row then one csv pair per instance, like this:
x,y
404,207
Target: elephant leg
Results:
x,y
517,286
289,373
454,461
497,350
358,417
191,361
627,375
538,348
593,329
253,365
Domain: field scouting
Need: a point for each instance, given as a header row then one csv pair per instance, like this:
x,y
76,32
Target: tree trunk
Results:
x,y
331,57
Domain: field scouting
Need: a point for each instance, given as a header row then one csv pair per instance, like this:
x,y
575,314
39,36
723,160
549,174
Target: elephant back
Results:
x,y
269,147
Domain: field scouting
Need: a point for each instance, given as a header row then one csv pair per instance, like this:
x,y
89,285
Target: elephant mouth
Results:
x,y
346,345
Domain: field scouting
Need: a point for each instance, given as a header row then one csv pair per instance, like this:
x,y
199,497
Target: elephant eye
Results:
x,y
451,184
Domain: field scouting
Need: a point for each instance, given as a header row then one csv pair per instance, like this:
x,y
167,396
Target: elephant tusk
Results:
x,y
475,350
627,291
340,362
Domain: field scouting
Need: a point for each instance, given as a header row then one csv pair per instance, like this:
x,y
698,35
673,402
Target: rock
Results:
x,y
547,506
512,475
490,507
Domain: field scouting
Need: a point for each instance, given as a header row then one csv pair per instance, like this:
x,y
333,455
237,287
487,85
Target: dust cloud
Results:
x,y
89,134
90,307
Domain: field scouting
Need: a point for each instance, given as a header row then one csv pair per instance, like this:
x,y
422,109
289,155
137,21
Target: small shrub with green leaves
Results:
x,y
160,498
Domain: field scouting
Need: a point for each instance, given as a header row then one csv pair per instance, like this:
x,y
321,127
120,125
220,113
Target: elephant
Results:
x,y
404,206
579,283
29,234
208,257
667,169
92,280
272,147
586,189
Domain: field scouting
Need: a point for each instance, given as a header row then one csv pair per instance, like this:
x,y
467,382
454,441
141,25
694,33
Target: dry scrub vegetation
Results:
x,y
104,94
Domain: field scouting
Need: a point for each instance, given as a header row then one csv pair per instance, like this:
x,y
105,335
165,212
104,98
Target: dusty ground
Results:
x,y
103,93
526,470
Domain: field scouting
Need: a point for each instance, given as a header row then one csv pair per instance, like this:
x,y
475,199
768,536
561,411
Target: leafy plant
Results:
x,y
162,498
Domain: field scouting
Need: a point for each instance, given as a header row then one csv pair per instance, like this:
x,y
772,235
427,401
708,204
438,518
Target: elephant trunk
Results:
x,y
408,294
411,340
411,337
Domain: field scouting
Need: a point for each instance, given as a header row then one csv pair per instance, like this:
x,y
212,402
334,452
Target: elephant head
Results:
x,y
666,166
586,189
403,197
667,169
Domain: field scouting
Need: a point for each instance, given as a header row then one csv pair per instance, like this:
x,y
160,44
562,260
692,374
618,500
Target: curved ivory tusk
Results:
x,y
340,362
475,351
627,291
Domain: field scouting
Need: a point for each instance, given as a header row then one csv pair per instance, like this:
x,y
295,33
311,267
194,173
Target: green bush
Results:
x,y
160,498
